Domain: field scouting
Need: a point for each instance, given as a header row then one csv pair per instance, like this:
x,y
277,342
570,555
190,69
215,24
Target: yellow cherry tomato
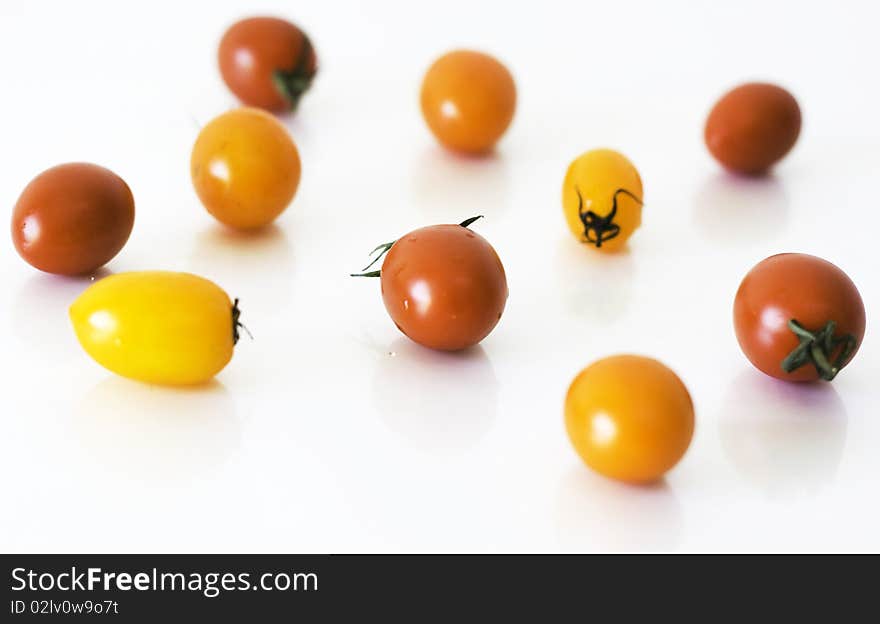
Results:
x,y
157,326
245,168
602,199
629,418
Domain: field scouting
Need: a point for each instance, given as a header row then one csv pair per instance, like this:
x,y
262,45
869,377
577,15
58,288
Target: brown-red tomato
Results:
x,y
267,62
798,317
753,127
444,286
72,219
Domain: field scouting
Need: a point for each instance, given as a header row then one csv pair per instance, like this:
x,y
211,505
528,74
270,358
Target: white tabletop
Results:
x,y
330,431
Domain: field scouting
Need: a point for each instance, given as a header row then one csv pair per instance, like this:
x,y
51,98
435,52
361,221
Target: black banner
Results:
x,y
268,588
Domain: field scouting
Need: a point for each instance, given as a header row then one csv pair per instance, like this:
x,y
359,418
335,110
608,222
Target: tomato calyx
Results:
x,y
237,324
294,82
817,348
384,247
467,222
604,228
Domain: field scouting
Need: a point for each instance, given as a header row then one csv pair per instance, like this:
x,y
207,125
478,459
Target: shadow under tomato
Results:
x,y
595,285
40,309
740,210
597,514
156,434
785,439
450,187
440,402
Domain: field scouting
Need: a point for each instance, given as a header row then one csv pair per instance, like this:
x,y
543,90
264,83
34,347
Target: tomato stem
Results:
x,y
817,348
384,247
236,324
293,83
604,227
467,222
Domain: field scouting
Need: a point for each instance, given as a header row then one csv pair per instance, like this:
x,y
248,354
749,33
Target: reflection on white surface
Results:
x,y
234,258
597,286
156,434
446,183
785,439
598,514
738,210
39,314
440,402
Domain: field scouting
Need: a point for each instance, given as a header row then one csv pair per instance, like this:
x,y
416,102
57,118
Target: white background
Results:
x,y
330,431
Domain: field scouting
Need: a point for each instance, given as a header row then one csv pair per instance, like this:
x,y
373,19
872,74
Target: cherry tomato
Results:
x,y
267,62
157,326
602,199
73,219
798,317
443,286
752,127
629,418
245,168
468,100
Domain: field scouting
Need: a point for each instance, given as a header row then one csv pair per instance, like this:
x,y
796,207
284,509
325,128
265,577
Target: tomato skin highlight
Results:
x,y
590,184
255,50
73,219
159,327
245,168
799,287
629,418
444,287
468,100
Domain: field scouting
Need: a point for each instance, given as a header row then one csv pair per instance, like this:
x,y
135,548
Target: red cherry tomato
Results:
x,y
798,317
443,286
73,219
753,127
267,62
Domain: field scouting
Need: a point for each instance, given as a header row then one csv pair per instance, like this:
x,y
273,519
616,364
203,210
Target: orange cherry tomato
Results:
x,y
245,168
468,100
798,317
267,62
629,418
443,286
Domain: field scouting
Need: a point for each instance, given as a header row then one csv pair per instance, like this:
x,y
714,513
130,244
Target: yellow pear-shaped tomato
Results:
x,y
157,326
602,199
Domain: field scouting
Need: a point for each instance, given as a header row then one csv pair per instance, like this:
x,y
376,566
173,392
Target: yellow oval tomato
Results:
x,y
245,168
157,326
602,199
629,418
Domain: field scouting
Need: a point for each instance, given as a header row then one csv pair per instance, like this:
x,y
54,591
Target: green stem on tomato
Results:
x,y
293,83
817,348
237,324
385,247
